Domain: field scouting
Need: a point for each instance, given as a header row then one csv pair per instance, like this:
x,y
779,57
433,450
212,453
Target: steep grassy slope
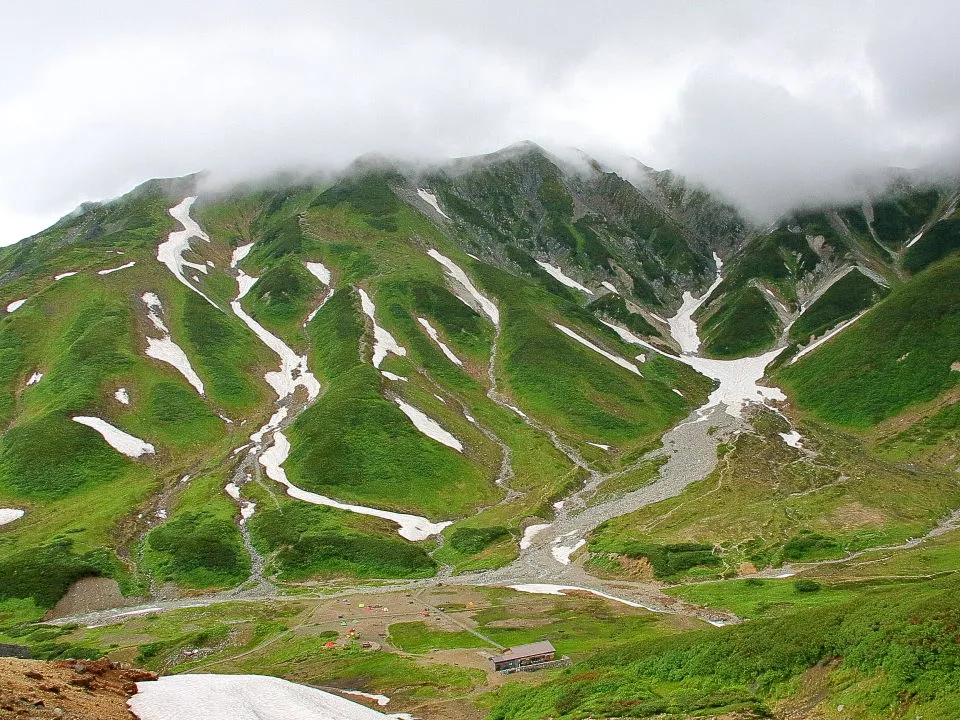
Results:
x,y
889,654
899,354
849,295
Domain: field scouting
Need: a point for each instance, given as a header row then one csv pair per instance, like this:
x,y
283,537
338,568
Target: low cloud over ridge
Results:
x,y
770,104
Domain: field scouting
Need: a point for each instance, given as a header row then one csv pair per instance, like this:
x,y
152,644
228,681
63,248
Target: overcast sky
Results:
x,y
772,103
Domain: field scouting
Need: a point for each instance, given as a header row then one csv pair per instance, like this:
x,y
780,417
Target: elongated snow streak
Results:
x,y
610,356
431,200
241,697
116,438
599,445
8,515
432,332
682,327
412,527
321,273
562,553
170,252
122,396
164,348
428,426
293,372
610,287
393,376
457,273
113,270
15,305
530,533
829,336
61,276
35,378
563,278
628,336
916,239
550,589
383,341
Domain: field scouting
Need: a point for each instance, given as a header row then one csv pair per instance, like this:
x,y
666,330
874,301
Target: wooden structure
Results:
x,y
525,657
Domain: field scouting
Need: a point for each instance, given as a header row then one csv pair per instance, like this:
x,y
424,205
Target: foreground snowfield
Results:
x,y
240,697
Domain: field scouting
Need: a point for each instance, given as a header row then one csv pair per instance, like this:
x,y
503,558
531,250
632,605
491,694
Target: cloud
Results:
x,y
771,104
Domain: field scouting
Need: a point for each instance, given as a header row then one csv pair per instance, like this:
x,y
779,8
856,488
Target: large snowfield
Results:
x,y
240,697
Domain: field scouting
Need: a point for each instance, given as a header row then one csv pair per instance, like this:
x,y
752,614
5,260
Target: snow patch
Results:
x,y
530,533
164,348
232,490
457,273
610,356
319,271
8,515
117,439
431,200
383,341
562,278
35,378
432,332
113,270
792,439
610,287
170,251
412,527
381,700
122,396
61,276
319,307
428,426
15,305
549,589
240,697
390,376
562,553
599,445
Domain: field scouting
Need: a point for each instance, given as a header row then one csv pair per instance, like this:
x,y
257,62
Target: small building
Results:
x,y
524,657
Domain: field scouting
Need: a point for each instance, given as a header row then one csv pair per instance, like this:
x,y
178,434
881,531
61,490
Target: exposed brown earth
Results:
x,y
67,689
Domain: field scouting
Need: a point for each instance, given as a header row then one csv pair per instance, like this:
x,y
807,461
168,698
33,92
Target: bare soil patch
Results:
x,y
67,689
90,594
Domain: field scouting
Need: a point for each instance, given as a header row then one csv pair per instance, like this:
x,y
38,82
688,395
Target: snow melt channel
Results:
x,y
164,348
293,372
412,527
170,251
321,273
682,327
117,439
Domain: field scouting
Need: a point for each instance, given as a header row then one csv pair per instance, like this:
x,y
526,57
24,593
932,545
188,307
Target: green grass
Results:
x,y
897,220
756,598
848,296
897,355
615,308
308,541
893,650
416,637
938,242
744,323
43,574
199,545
